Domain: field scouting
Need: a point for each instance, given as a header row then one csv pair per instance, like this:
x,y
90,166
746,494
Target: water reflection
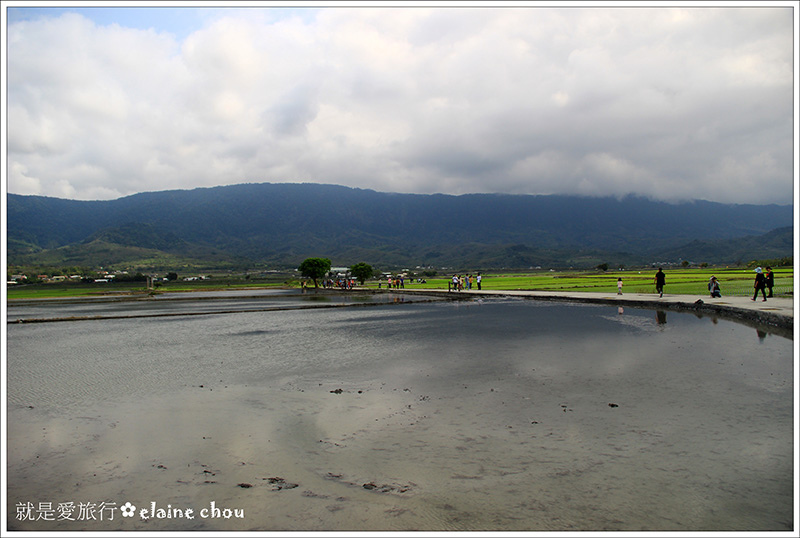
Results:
x,y
499,415
192,304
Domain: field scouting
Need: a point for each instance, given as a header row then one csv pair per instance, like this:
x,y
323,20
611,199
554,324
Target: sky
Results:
x,y
669,101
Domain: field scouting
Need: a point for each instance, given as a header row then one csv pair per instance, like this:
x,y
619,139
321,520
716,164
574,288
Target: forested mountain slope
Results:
x,y
281,224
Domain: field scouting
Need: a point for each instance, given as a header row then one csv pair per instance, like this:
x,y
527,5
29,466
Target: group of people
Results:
x,y
463,282
341,283
398,282
764,281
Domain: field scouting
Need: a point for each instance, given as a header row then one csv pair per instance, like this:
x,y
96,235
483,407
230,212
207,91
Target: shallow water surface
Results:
x,y
470,415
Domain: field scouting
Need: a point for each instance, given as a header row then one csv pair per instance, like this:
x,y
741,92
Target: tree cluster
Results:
x,y
315,268
318,268
786,261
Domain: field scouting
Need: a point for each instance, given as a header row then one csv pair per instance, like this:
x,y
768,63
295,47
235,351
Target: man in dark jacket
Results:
x,y
770,278
660,279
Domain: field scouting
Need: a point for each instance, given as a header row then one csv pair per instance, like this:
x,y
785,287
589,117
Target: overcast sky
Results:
x,y
670,103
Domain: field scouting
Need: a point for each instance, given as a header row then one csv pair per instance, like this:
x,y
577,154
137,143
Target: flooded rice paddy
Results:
x,y
282,413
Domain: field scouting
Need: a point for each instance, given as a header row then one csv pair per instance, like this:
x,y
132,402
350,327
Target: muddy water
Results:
x,y
483,415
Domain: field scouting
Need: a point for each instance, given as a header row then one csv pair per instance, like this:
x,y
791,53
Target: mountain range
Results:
x,y
276,225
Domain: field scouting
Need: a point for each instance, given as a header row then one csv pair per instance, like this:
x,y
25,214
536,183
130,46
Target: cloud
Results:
x,y
669,103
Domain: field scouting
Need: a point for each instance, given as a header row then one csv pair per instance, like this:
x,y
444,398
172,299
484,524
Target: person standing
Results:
x,y
759,284
770,280
619,286
660,281
478,280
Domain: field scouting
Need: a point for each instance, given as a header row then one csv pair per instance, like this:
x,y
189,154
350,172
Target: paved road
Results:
x,y
777,311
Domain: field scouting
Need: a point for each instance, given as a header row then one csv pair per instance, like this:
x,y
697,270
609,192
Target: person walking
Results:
x,y
619,286
660,280
760,283
770,280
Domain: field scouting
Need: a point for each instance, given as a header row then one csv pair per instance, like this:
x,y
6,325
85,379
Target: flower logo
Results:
x,y
127,509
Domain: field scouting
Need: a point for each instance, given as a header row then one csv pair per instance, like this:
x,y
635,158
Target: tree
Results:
x,y
315,268
603,267
172,276
361,271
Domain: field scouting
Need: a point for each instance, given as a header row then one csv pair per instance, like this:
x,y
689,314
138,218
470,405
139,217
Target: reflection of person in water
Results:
x,y
761,335
661,317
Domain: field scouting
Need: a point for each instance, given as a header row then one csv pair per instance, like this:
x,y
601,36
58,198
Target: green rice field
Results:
x,y
679,281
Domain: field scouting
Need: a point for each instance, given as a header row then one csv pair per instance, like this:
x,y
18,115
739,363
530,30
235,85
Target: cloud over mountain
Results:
x,y
677,103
